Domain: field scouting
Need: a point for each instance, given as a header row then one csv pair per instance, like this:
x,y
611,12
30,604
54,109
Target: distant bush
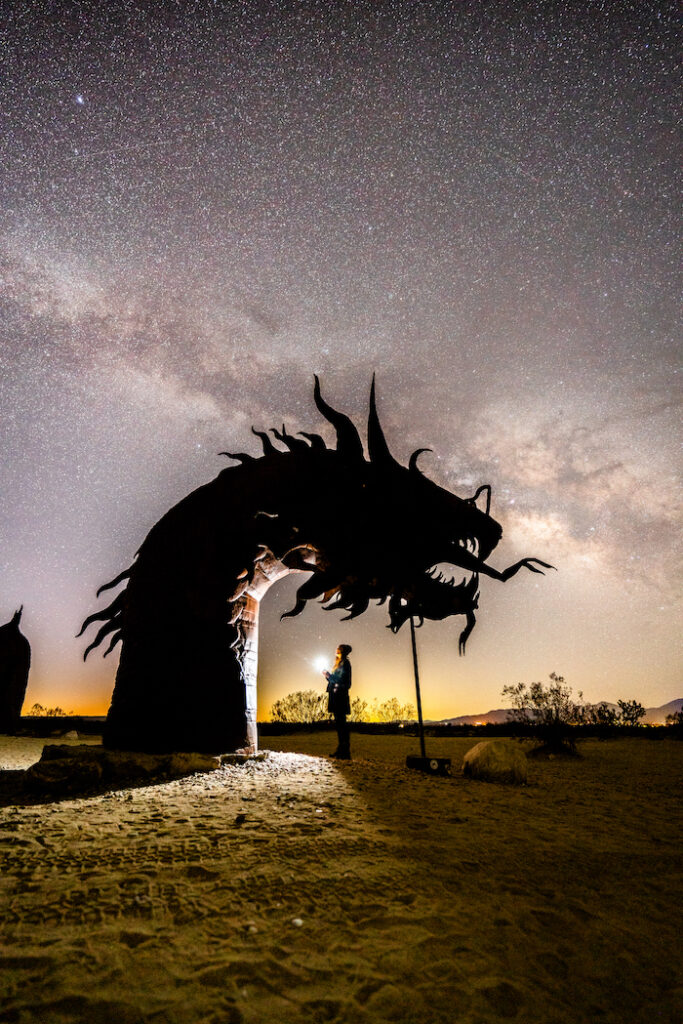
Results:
x,y
601,715
630,712
358,710
547,711
302,706
307,706
675,723
389,711
38,711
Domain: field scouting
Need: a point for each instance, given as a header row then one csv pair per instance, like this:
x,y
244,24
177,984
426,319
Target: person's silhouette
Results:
x,y
338,686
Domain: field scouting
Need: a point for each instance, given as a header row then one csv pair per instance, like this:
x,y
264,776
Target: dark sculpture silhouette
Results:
x,y
15,661
365,529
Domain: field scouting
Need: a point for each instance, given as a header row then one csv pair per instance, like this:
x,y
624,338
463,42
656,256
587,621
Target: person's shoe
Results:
x,y
344,755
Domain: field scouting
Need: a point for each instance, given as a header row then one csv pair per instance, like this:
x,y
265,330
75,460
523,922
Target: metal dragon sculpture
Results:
x,y
364,529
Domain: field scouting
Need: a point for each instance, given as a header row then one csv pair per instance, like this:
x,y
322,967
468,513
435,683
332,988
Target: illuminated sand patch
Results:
x,y
297,889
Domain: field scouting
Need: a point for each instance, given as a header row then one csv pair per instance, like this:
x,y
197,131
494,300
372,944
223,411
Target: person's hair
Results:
x,y
345,650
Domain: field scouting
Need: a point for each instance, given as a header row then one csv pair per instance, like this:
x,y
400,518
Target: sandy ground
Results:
x,y
300,889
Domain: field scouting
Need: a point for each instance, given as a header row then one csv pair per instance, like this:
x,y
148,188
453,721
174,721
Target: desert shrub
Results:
x,y
602,718
38,711
359,710
675,723
302,706
601,715
390,711
547,711
630,712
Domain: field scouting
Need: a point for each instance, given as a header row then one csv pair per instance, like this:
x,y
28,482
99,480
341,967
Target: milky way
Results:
x,y
203,204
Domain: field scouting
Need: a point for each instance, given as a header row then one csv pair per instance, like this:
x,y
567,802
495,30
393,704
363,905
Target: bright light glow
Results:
x,y
320,663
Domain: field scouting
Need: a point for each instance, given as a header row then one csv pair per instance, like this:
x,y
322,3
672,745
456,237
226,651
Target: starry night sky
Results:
x,y
202,204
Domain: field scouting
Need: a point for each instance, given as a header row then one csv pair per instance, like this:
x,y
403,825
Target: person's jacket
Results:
x,y
338,686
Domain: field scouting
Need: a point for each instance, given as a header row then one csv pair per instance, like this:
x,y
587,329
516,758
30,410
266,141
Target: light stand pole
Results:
x,y
431,765
417,688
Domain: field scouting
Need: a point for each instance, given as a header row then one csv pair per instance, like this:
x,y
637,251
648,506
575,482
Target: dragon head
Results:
x,y
378,530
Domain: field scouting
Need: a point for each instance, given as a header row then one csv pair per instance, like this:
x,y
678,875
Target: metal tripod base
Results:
x,y
429,765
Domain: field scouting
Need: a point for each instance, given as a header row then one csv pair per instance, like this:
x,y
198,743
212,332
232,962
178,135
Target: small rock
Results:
x,y
242,757
504,999
297,922
133,938
201,873
63,776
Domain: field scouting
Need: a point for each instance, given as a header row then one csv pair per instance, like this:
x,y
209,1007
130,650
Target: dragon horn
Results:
x,y
480,490
348,438
377,444
412,462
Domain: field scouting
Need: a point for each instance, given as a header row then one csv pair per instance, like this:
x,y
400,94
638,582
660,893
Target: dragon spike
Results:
x,y
125,575
238,456
105,630
464,636
241,587
312,588
293,443
357,608
317,443
268,446
113,642
377,445
348,438
110,612
412,463
296,610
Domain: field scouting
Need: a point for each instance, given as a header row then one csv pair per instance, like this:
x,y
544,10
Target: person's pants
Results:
x,y
343,732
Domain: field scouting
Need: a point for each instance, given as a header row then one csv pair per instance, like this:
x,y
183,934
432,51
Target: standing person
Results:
x,y
338,686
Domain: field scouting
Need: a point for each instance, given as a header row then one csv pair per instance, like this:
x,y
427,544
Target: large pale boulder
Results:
x,y
496,761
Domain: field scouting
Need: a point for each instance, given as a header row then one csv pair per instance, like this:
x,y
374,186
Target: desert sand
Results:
x,y
298,888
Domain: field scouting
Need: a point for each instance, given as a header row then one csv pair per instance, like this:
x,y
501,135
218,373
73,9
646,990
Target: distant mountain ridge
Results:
x,y
653,716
